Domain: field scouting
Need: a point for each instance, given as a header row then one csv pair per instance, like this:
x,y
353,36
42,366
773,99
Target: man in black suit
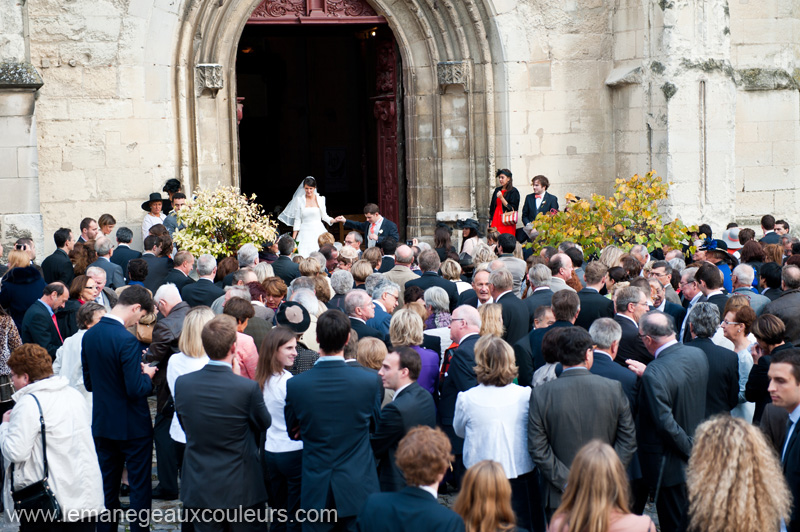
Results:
x,y
606,333
38,325
516,321
114,275
770,281
123,252
423,456
722,389
480,293
784,388
89,230
157,267
120,383
660,302
183,265
709,280
566,307
540,202
224,417
58,267
465,326
768,228
429,263
539,278
572,410
166,333
631,306
672,402
787,307
376,229
593,305
284,267
388,246
204,291
332,398
691,296
411,406
359,308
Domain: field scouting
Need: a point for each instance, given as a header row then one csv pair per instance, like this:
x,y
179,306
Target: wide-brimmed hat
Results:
x,y
731,238
155,196
469,223
295,316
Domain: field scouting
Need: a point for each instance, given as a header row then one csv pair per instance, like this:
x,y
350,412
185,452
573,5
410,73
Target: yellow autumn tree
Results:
x,y
629,216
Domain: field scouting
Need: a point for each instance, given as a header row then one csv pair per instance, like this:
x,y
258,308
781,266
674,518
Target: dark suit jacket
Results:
x,y
631,345
677,312
722,390
387,263
773,293
605,367
524,361
771,238
223,416
566,414
540,298
719,300
380,322
529,210
787,308
388,229
429,279
672,402
178,278
412,407
38,328
112,371
257,329
460,377
365,330
286,269
535,337
593,307
165,344
58,267
755,390
516,320
410,509
791,470
512,197
157,270
468,297
114,275
333,406
203,292
122,255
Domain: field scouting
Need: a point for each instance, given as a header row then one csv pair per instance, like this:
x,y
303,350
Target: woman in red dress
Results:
x,y
504,199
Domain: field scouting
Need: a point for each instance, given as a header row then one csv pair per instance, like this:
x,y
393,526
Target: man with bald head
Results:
x,y
401,272
459,376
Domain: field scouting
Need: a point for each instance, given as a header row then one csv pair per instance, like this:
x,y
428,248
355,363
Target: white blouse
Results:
x,y
494,424
180,364
278,440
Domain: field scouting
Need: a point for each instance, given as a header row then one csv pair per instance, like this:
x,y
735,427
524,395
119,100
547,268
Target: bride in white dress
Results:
x,y
305,213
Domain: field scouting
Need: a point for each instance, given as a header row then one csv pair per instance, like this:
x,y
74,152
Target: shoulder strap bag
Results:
x,y
37,502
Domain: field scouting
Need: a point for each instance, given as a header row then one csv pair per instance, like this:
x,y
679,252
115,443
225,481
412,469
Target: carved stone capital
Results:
x,y
208,76
453,73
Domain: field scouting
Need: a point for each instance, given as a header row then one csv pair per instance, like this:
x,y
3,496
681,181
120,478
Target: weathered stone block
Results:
x,y
17,131
101,109
27,163
8,162
539,76
20,195
16,102
786,153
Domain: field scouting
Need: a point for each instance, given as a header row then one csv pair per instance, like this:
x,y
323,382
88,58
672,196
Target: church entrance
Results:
x,y
320,95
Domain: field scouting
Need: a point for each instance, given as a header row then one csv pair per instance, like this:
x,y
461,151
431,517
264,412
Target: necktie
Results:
x,y
789,424
684,329
59,332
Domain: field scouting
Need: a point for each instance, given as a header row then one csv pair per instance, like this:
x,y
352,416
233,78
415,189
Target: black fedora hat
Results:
x,y
155,196
294,315
469,223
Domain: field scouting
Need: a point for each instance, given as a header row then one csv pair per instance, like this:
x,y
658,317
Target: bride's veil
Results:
x,y
295,207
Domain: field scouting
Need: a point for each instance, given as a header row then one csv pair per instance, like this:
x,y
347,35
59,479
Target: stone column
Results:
x,y
20,213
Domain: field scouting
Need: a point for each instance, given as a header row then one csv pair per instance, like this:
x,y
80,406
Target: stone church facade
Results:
x,y
101,102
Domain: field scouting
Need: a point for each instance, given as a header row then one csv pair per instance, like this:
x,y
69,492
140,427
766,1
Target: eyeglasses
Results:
x,y
726,322
685,283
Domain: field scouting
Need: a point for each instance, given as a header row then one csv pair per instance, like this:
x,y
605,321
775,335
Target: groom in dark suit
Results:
x,y
224,417
334,399
376,229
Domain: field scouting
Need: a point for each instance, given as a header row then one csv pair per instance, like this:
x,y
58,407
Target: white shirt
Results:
x,y
376,229
181,364
278,440
149,221
494,424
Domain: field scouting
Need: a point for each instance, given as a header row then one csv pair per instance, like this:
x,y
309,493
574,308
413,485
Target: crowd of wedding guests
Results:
x,y
548,390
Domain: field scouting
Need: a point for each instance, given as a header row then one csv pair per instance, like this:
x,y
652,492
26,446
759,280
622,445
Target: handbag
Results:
x,y
37,501
510,218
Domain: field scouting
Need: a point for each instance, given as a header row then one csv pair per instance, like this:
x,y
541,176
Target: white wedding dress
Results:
x,y
309,227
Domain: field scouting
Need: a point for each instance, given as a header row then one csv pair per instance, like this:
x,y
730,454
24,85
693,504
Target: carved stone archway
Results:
x,y
452,61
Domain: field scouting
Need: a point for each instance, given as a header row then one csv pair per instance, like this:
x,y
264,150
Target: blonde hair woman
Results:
x,y
610,256
192,357
263,270
734,480
484,502
493,420
491,319
596,496
360,270
406,329
451,270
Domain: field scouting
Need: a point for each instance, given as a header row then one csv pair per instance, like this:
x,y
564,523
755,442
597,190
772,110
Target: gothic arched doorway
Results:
x,y
320,93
